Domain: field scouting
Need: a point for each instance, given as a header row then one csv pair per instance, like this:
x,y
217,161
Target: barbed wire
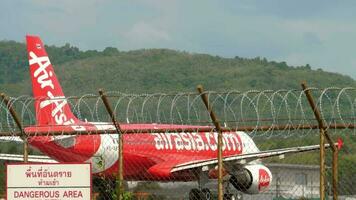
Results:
x,y
234,109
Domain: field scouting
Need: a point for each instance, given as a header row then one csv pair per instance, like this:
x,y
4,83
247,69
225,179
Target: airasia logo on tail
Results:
x,y
264,179
44,78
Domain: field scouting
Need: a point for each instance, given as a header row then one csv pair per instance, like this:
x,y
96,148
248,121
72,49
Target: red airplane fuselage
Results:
x,y
141,151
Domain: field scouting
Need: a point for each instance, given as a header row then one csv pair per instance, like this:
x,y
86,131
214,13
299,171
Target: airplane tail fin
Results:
x,y
50,104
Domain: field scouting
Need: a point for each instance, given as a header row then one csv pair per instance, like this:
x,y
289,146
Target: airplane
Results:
x,y
178,156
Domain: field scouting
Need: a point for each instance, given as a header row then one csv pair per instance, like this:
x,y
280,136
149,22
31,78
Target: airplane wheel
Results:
x,y
206,194
196,194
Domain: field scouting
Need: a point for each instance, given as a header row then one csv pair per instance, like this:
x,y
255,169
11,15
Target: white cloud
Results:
x,y
145,33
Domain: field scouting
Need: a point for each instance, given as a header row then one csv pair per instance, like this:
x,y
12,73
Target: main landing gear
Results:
x,y
204,193
201,193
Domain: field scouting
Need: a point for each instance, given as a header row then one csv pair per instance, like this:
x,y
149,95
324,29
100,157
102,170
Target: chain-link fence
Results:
x,y
170,144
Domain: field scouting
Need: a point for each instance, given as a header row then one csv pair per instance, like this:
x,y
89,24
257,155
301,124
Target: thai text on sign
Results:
x,y
48,181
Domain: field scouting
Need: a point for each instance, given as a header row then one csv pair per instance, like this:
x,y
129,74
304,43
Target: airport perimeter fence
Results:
x,y
164,130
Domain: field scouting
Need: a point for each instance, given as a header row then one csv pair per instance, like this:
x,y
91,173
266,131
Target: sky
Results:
x,y
321,33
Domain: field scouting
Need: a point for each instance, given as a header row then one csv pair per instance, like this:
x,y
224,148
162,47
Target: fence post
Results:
x,y
323,135
17,120
120,177
218,129
335,174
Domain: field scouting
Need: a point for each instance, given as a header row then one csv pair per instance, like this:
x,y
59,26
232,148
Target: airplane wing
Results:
x,y
31,158
11,139
18,139
245,158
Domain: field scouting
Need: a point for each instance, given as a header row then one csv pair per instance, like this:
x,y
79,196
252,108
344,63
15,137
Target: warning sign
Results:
x,y
48,181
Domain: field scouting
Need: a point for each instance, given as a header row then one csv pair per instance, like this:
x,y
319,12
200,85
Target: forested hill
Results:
x,y
156,70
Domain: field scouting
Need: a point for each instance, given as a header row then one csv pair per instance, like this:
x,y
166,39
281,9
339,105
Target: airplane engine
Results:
x,y
252,179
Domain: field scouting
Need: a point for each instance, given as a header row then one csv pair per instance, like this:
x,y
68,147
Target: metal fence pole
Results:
x,y
323,135
218,129
335,174
17,120
120,177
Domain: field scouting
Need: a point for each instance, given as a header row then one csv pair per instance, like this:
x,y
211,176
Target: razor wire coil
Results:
x,y
252,108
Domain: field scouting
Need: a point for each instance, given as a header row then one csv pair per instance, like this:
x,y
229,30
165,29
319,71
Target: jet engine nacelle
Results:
x,y
252,179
